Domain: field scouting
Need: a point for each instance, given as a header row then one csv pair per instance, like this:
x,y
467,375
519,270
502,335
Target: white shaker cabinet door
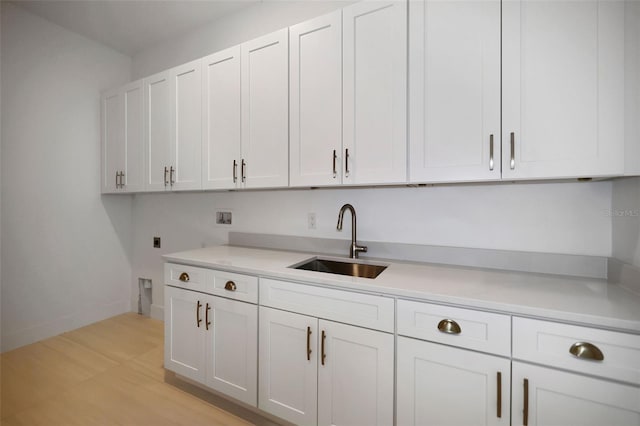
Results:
x,y
563,89
133,172
221,120
157,94
288,366
454,76
442,385
232,347
355,376
547,397
265,111
375,92
113,148
186,116
316,101
185,333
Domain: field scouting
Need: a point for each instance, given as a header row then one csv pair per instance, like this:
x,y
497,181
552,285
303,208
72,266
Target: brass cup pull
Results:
x,y
449,326
230,285
198,319
585,350
184,277
308,343
207,323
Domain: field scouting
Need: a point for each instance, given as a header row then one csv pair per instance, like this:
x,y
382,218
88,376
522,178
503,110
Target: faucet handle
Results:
x,y
357,249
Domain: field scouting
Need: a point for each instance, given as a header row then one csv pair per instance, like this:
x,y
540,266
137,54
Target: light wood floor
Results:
x,y
108,373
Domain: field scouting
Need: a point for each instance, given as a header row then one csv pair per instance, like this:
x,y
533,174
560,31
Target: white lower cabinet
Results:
x,y
442,385
314,371
213,341
546,397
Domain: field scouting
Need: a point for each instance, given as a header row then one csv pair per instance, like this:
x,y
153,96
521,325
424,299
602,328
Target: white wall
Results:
x,y
625,213
65,250
244,25
548,217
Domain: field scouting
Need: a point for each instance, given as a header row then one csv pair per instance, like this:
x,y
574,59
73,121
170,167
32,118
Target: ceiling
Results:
x,y
130,26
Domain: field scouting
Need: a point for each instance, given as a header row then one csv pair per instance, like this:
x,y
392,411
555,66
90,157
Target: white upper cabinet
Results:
x,y
316,101
112,140
221,119
186,129
157,94
173,109
375,92
563,89
454,101
265,111
122,139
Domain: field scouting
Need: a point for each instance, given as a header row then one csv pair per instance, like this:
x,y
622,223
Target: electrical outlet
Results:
x,y
156,242
311,220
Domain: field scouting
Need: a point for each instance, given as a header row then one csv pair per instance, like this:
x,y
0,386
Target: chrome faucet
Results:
x,y
354,249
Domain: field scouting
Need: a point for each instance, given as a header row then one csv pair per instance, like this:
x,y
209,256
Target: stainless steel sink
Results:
x,y
363,270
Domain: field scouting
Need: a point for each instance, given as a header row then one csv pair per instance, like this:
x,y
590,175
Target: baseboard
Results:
x,y
157,312
88,315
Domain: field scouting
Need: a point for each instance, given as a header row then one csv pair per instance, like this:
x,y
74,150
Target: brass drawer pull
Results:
x,y
346,162
198,319
166,171
235,171
490,152
512,138
499,404
585,350
243,166
449,326
184,277
207,323
308,343
230,285
525,411
335,172
323,355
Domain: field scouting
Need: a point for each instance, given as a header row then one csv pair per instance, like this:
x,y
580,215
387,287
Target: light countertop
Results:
x,y
585,301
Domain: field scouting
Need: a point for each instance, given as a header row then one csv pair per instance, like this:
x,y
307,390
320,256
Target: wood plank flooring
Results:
x,y
108,373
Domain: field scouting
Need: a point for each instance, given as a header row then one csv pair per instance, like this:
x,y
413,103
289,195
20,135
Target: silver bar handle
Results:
x,y
490,152
235,171
335,172
243,167
346,162
513,149
166,170
172,176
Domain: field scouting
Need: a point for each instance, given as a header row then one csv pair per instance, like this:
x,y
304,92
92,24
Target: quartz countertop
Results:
x,y
592,302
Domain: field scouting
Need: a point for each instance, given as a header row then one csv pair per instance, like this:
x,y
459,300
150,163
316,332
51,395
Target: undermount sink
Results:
x,y
353,269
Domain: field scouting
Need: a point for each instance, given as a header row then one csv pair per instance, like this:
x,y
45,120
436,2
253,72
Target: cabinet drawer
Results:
x,y
193,278
365,310
481,331
234,286
549,343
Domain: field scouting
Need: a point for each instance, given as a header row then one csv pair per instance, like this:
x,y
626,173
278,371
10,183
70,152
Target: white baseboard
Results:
x,y
88,315
157,312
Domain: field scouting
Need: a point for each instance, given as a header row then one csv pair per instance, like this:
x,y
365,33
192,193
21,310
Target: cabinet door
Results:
x,y
232,348
186,115
559,398
441,385
375,92
355,376
133,99
454,75
221,119
184,333
112,140
316,101
288,381
265,111
157,95
563,88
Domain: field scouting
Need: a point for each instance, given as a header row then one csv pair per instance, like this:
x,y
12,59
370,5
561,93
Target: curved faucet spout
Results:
x,y
354,249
